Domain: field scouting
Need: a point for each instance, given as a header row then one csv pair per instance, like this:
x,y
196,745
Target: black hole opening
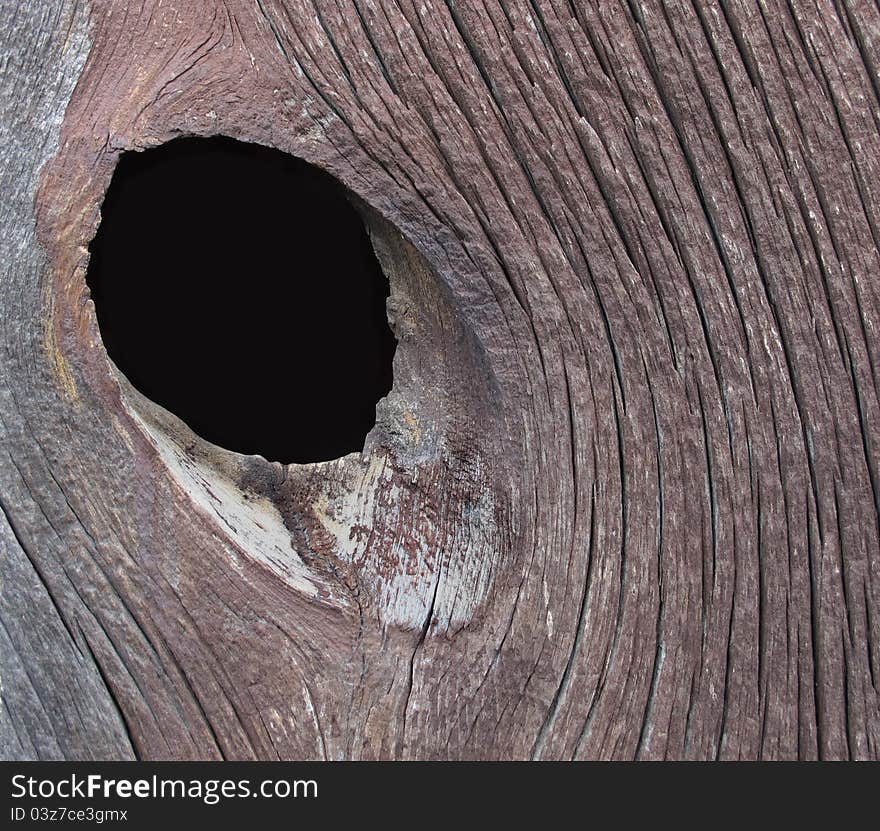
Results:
x,y
236,286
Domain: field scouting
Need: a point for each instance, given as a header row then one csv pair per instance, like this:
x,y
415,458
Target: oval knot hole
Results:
x,y
236,286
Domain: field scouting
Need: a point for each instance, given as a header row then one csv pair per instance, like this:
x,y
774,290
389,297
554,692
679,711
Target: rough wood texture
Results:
x,y
623,498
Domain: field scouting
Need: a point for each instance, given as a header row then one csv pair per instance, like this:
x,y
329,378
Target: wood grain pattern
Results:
x,y
622,501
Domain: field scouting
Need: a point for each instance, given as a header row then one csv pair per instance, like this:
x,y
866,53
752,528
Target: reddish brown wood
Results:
x,y
622,500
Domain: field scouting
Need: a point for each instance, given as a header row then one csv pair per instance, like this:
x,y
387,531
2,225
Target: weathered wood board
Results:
x,y
622,501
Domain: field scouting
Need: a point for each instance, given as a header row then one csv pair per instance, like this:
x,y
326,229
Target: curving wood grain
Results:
x,y
622,501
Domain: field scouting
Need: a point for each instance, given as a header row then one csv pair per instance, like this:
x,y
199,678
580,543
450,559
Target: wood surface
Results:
x,y
622,500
